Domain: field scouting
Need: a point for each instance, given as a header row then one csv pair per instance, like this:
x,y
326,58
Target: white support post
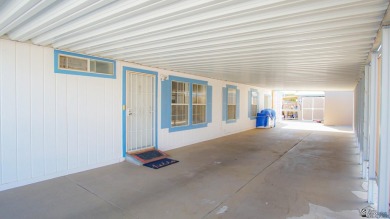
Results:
x,y
357,119
365,123
361,120
384,152
373,78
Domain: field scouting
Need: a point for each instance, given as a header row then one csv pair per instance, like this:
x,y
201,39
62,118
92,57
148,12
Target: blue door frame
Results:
x,y
125,69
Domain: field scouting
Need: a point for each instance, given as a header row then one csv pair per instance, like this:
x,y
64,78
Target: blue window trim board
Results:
x,y
166,102
82,73
225,103
250,102
125,69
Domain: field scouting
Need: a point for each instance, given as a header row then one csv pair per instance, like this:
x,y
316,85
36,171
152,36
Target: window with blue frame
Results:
x,y
78,64
180,103
199,106
253,105
185,103
230,103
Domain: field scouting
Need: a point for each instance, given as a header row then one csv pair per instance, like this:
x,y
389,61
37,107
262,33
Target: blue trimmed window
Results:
x,y
180,103
185,104
77,64
253,103
230,103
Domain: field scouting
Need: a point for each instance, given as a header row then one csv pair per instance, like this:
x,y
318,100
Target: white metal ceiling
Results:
x,y
278,44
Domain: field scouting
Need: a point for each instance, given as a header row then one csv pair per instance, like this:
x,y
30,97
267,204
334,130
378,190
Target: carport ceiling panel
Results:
x,y
281,44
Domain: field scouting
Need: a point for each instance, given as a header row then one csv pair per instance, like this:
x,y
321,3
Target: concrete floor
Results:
x,y
275,173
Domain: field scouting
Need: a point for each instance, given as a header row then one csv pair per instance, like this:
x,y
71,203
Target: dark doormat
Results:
x,y
149,155
160,163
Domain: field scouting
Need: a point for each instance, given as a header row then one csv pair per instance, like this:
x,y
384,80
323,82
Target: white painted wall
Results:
x,y
277,102
56,124
218,127
339,108
53,124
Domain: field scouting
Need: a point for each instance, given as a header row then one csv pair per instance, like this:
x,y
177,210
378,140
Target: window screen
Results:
x,y
73,63
232,105
85,65
198,103
180,103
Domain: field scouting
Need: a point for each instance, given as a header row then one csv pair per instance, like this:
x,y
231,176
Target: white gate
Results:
x,y
313,108
140,111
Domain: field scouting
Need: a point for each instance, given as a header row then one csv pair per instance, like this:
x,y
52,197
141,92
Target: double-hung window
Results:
x,y
180,103
232,104
254,100
185,104
199,103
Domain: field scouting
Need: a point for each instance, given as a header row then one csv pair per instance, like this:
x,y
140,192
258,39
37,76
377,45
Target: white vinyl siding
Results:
x,y
53,124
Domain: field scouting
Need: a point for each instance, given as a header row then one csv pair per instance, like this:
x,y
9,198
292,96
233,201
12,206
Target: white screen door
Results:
x,y
140,111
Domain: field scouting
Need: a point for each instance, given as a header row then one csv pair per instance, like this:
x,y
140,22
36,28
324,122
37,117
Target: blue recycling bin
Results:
x,y
266,118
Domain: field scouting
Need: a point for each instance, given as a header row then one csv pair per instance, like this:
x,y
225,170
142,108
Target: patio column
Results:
x,y
384,152
365,154
372,121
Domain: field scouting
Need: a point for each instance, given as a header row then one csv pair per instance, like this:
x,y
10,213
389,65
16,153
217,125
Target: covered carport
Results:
x,y
84,84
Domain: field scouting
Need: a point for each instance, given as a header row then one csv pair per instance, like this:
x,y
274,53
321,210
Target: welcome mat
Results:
x,y
160,163
149,156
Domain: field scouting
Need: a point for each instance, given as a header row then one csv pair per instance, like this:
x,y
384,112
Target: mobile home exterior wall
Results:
x,y
56,124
